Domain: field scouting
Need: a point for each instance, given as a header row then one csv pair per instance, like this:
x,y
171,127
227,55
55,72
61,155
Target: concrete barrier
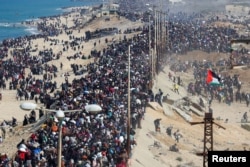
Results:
x,y
183,114
195,111
155,106
167,100
168,109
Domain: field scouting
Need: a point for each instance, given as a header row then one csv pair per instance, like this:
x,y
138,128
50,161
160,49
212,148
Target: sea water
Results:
x,y
14,12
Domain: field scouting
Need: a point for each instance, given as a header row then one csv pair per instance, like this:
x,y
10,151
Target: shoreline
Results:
x,y
32,22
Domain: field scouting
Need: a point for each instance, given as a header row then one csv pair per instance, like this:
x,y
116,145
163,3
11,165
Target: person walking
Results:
x,y
157,125
245,117
176,88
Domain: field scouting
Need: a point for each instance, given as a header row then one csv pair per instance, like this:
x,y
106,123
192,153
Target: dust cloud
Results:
x,y
173,6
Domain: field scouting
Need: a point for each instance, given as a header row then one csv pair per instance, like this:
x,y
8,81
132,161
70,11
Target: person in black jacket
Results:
x,y
157,124
26,120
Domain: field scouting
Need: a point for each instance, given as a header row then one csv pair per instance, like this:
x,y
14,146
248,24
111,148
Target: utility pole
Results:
x,y
158,40
158,43
128,123
167,33
155,38
149,48
208,136
164,33
59,147
161,33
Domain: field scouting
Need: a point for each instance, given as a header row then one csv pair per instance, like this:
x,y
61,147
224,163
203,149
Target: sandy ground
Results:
x,y
145,154
232,138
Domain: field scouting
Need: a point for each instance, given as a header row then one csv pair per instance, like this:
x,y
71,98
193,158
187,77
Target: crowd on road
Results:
x,y
95,139
101,139
88,139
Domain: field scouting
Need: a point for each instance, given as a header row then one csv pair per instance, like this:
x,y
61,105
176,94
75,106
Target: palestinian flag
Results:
x,y
212,78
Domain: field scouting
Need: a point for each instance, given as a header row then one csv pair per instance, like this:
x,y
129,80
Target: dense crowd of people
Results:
x,y
229,91
188,33
90,139
194,34
101,139
199,37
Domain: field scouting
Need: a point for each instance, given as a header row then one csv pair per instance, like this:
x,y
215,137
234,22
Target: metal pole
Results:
x,y
128,125
161,36
152,65
164,36
162,32
158,42
167,33
149,48
155,40
59,149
